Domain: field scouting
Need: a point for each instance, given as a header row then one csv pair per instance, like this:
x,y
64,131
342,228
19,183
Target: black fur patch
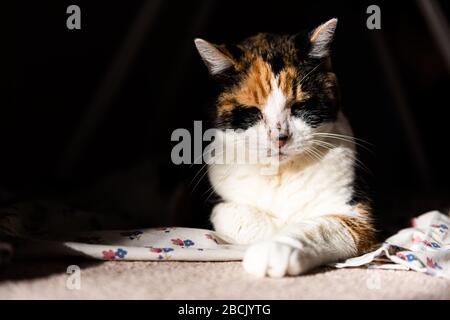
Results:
x,y
235,51
276,63
239,118
302,44
315,111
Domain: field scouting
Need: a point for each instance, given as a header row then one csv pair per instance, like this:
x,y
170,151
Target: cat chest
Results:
x,y
284,197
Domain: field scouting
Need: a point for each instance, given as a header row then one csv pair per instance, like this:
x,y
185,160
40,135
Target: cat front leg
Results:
x,y
242,224
303,246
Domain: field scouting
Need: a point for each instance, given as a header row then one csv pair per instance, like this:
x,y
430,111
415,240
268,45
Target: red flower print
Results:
x,y
177,242
109,254
156,250
432,264
401,255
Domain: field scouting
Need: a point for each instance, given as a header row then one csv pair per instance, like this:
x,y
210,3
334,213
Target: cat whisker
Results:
x,y
316,155
329,134
310,72
214,186
201,178
205,165
344,138
358,163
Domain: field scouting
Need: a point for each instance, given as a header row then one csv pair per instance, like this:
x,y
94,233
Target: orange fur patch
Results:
x,y
252,91
361,229
256,86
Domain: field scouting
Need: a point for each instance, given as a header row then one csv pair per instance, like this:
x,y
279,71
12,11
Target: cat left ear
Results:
x,y
321,39
215,59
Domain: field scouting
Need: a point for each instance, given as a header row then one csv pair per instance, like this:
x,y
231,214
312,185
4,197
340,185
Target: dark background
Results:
x,y
91,111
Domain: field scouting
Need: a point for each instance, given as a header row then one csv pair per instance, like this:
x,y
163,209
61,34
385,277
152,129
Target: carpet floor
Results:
x,y
208,280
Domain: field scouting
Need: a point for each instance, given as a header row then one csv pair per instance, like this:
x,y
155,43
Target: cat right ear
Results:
x,y
216,60
321,39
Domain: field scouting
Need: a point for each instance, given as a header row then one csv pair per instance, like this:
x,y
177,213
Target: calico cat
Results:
x,y
281,89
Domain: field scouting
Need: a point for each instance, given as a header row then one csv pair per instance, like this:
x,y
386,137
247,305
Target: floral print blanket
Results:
x,y
38,230
424,247
182,244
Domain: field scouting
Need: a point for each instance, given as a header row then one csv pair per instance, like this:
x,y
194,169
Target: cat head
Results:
x,y
278,88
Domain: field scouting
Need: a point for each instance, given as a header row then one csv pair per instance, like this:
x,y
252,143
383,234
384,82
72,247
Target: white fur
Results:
x,y
283,215
275,113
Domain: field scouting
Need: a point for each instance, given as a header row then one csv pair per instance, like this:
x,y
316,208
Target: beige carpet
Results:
x,y
209,280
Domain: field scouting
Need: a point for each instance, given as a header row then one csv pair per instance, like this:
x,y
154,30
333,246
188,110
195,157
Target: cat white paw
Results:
x,y
274,259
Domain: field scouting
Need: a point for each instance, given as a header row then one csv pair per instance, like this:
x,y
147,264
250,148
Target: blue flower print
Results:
x,y
435,245
121,253
188,243
411,257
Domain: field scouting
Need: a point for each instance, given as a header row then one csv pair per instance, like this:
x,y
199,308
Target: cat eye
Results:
x,y
245,117
298,106
240,117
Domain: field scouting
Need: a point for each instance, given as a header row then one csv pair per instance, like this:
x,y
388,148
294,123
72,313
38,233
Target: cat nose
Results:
x,y
282,139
